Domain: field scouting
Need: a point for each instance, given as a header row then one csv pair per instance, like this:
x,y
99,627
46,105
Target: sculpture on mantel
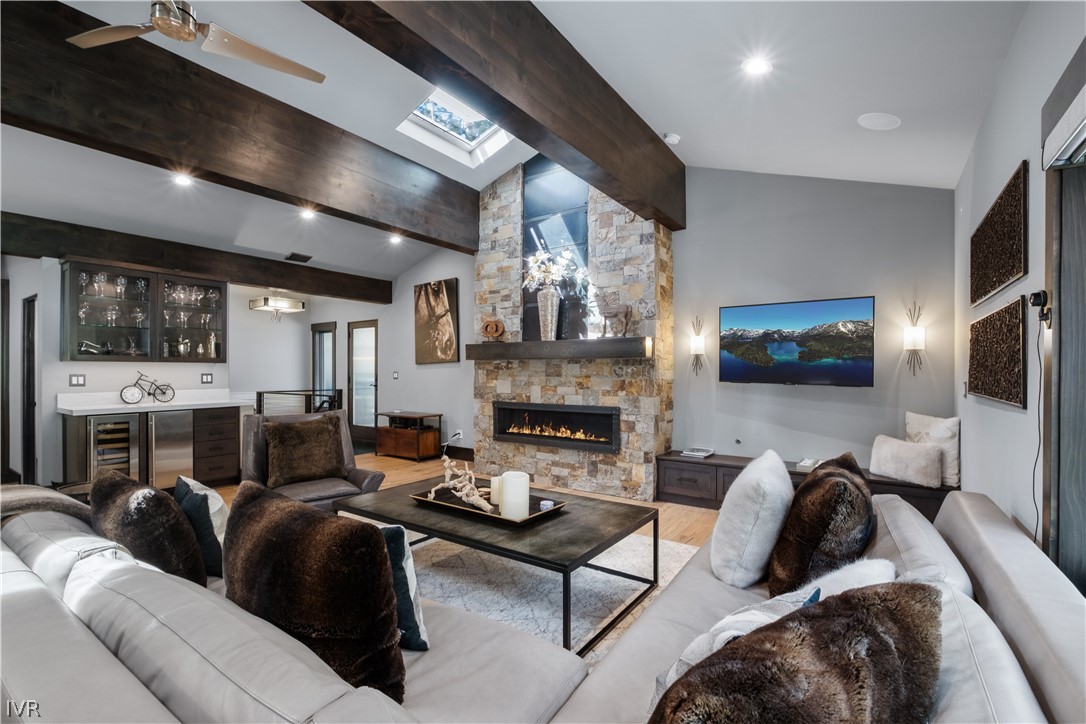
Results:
x,y
615,316
463,486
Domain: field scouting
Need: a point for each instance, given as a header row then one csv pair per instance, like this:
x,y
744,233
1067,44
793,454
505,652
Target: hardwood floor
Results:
x,y
679,523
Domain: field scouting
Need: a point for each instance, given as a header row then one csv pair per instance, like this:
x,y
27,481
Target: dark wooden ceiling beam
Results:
x,y
139,101
33,237
507,61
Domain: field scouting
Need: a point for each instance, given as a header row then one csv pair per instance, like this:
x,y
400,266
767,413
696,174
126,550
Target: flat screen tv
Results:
x,y
823,342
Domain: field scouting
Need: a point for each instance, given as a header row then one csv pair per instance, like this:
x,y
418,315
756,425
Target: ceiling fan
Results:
x,y
174,19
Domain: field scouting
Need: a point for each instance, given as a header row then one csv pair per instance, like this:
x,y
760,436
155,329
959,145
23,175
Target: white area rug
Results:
x,y
530,598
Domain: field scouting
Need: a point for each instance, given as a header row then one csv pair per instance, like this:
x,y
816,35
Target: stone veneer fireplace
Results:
x,y
626,254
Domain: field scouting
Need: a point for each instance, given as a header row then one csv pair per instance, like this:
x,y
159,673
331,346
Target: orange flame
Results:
x,y
549,430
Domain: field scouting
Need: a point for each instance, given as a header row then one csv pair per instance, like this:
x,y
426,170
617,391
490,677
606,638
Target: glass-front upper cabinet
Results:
x,y
108,313
125,313
193,320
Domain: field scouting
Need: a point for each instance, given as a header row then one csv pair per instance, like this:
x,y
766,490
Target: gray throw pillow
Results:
x,y
942,431
750,521
919,463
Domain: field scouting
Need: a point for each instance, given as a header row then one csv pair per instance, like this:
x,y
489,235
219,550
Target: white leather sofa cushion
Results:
x,y
202,656
621,686
363,706
479,670
904,536
52,543
979,677
1040,612
50,657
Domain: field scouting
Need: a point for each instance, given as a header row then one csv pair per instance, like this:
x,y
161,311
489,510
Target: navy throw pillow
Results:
x,y
408,604
197,510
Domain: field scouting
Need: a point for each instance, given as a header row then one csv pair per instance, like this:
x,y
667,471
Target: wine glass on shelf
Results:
x,y
84,310
100,280
204,319
198,294
84,279
167,292
213,297
167,313
141,289
111,315
183,316
138,316
119,285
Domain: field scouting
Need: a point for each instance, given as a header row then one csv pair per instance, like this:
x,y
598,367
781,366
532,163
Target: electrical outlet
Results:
x,y
207,378
77,380
460,433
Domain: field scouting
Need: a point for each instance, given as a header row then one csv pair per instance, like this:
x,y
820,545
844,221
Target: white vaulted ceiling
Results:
x,y
933,64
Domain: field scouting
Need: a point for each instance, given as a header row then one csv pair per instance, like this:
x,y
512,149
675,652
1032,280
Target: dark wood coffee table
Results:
x,y
563,542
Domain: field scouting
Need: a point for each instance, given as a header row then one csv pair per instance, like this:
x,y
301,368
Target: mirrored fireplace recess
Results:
x,y
578,427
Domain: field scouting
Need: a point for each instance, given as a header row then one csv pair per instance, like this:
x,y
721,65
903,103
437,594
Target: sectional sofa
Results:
x,y
89,634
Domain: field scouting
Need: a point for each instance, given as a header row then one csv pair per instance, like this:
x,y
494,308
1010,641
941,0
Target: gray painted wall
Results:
x,y
999,442
445,388
758,238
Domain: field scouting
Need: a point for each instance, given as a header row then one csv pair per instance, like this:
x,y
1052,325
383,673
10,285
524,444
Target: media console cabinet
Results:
x,y
410,435
704,481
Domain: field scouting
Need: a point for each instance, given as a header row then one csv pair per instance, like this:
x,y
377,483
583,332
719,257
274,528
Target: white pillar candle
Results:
x,y
514,495
496,490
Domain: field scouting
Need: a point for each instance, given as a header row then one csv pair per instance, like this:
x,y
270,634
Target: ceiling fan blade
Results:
x,y
222,42
109,34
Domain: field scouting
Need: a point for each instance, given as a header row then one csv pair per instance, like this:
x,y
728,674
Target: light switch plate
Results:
x,y
395,375
79,380
207,378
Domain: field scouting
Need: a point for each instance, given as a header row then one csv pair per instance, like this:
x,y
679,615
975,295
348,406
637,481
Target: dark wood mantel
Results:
x,y
602,348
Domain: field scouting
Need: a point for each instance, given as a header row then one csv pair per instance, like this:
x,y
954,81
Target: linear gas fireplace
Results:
x,y
579,427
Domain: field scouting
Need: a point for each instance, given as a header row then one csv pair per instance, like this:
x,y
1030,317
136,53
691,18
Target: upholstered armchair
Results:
x,y
320,492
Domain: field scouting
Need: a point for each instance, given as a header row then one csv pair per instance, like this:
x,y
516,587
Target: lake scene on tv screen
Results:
x,y
825,342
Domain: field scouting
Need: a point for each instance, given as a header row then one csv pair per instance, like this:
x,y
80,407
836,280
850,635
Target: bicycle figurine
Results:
x,y
134,393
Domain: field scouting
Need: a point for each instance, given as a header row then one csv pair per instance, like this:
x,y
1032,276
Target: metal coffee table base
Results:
x,y
615,620
567,590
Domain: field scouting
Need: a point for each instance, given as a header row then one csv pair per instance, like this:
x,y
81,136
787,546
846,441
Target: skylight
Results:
x,y
453,128
455,118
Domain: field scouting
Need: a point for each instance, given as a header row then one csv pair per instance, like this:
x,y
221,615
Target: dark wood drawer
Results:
x,y
215,468
214,448
215,415
724,479
693,481
200,433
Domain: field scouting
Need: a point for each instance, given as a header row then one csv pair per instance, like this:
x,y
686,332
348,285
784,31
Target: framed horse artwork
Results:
x,y
437,322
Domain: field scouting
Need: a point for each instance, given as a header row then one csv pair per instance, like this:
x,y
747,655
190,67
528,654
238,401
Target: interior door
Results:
x,y
362,379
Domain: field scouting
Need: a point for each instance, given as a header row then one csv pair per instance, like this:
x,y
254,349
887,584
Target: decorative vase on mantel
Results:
x,y
548,298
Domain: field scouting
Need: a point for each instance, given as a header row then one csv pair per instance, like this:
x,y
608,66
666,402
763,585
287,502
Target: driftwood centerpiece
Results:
x,y
462,486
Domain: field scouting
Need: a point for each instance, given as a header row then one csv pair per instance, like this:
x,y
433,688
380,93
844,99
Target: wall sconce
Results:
x,y
913,339
277,305
697,347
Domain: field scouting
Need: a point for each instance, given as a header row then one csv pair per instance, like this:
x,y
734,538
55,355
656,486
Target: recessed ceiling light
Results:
x,y
756,66
395,239
182,179
879,121
308,213
672,139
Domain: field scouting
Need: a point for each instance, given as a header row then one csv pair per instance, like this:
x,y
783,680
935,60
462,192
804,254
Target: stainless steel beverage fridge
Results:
x,y
113,443
169,447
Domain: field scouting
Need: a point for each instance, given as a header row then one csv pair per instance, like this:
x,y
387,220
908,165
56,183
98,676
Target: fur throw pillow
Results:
x,y
869,654
308,450
148,523
828,525
324,579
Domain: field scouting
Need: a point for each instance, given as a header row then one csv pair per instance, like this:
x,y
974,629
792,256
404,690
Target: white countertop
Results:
x,y
109,403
